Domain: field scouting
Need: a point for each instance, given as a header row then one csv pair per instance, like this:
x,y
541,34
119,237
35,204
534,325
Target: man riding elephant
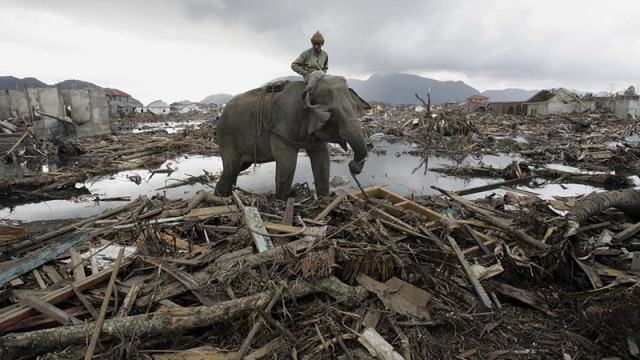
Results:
x,y
312,59
264,125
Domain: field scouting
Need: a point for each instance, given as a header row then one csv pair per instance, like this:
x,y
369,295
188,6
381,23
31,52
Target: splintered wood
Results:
x,y
347,277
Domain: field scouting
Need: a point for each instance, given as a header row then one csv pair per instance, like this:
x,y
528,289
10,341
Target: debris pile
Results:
x,y
353,276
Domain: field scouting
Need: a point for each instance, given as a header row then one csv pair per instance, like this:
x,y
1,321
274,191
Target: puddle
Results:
x,y
171,127
390,164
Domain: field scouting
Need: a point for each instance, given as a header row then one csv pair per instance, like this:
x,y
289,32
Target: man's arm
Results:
x,y
296,65
326,65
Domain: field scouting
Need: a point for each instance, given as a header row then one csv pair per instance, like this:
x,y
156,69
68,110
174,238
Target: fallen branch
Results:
x,y
171,320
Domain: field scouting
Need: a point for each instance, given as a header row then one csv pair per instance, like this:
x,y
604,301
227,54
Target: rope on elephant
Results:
x,y
262,121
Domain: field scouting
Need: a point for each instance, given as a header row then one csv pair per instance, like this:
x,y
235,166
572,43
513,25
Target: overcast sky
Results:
x,y
188,49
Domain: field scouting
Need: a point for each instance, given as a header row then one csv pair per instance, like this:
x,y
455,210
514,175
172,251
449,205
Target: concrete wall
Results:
x,y
48,101
89,110
20,104
627,107
508,107
5,105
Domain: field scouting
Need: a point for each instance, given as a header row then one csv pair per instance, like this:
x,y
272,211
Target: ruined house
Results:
x,y
476,103
73,112
508,107
627,103
556,101
121,104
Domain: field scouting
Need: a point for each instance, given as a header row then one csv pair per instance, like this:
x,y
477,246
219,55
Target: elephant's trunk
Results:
x,y
353,135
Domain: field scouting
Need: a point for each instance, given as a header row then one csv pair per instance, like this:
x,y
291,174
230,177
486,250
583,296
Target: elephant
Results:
x,y
263,125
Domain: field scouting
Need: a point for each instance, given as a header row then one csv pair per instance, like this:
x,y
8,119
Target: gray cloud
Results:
x,y
526,44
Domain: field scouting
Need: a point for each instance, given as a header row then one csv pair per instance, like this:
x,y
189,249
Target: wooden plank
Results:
x,y
480,291
45,308
31,261
256,226
40,321
11,232
627,233
494,186
331,206
83,299
16,313
475,237
39,280
128,301
103,308
93,260
404,203
393,299
178,243
287,219
78,265
211,211
52,273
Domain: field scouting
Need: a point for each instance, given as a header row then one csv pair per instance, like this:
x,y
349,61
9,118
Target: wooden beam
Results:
x,y
44,307
77,264
494,186
331,206
31,261
627,233
103,309
256,226
83,299
475,283
15,313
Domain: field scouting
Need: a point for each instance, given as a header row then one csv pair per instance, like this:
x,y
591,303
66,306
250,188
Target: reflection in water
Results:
x,y
391,166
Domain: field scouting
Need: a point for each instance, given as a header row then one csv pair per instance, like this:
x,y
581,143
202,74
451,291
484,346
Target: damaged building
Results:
x,y
121,104
73,112
558,101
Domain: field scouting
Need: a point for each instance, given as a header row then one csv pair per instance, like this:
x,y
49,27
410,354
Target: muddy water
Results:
x,y
390,164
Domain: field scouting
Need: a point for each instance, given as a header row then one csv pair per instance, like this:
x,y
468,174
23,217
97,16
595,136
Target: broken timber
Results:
x,y
14,269
404,203
171,320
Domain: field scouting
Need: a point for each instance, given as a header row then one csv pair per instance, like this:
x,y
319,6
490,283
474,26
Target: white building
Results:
x,y
159,107
559,101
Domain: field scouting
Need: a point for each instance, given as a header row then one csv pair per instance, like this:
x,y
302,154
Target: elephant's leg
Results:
x,y
320,166
286,158
231,167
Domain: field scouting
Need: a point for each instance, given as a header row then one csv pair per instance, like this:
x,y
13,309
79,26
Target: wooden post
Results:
x,y
103,309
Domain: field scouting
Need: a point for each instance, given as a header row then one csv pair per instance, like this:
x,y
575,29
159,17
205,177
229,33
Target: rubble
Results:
x,y
365,273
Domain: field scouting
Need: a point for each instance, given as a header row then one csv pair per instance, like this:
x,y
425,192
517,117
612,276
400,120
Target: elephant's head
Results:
x,y
333,105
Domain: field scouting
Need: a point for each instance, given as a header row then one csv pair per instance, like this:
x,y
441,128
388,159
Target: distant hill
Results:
x,y
76,84
13,83
400,88
509,94
217,99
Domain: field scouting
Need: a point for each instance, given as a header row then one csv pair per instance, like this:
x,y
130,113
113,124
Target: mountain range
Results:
x,y
394,88
398,88
14,83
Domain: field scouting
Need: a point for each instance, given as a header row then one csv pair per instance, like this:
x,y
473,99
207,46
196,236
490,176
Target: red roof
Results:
x,y
115,92
477,104
477,97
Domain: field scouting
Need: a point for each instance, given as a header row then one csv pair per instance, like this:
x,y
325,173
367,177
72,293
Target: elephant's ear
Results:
x,y
365,105
318,115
